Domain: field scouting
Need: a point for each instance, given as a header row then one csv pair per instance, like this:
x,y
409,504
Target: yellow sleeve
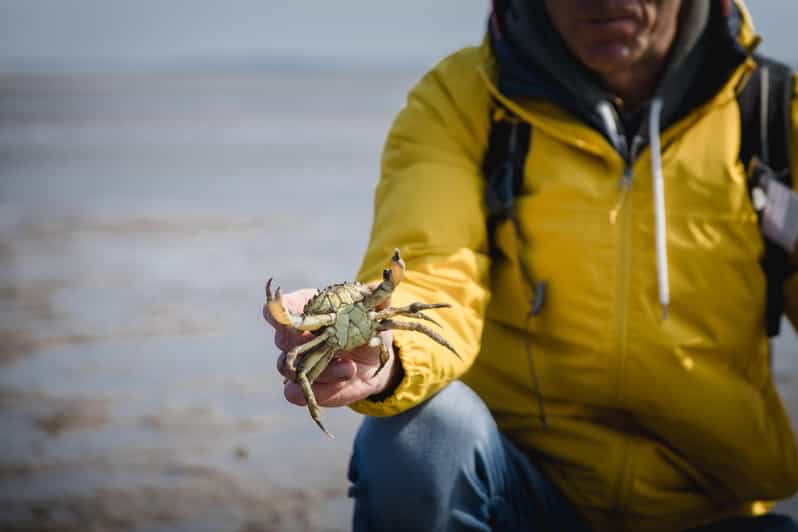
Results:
x,y
791,284
429,204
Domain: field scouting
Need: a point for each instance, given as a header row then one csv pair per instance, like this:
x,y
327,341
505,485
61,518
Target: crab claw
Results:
x,y
269,289
274,303
397,267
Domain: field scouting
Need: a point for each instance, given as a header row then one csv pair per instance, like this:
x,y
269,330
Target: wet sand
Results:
x,y
139,219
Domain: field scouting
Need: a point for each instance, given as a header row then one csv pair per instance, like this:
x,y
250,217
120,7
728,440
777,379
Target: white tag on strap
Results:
x,y
780,214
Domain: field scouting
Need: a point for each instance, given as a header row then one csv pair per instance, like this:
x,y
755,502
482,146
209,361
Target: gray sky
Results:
x,y
125,34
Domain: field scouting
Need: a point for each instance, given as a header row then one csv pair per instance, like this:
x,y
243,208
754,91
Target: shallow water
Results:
x,y
139,219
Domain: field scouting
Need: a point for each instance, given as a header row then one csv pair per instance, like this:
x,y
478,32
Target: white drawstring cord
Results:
x,y
659,206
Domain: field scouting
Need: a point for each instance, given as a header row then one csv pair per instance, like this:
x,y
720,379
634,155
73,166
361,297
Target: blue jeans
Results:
x,y
444,466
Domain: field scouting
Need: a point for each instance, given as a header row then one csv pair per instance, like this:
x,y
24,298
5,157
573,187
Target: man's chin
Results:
x,y
608,58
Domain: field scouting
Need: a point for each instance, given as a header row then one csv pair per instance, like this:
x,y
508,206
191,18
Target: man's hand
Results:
x,y
350,375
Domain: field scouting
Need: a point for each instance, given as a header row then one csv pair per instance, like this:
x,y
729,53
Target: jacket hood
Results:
x,y
534,62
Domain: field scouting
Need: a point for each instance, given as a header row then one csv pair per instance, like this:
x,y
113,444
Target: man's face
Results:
x,y
609,36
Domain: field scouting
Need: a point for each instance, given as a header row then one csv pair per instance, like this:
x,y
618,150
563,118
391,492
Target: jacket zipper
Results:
x,y
621,215
624,209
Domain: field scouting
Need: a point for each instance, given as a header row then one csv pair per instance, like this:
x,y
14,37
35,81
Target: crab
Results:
x,y
343,317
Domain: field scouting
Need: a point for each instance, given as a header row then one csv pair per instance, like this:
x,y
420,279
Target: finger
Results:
x,y
282,367
293,394
287,338
338,370
330,394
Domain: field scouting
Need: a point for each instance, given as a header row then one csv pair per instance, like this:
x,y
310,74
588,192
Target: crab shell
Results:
x,y
353,327
334,297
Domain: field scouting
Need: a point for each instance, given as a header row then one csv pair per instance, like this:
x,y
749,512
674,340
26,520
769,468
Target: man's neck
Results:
x,y
636,85
638,82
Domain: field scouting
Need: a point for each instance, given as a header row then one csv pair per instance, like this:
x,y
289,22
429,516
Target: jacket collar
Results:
x,y
533,62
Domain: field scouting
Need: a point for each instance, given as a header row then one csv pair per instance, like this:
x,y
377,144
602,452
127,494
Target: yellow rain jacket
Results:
x,y
653,424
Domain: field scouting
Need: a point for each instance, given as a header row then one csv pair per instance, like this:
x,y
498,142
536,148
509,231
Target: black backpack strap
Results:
x,y
503,167
765,111
766,127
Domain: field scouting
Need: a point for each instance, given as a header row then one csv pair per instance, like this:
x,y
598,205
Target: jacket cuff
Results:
x,y
400,375
413,387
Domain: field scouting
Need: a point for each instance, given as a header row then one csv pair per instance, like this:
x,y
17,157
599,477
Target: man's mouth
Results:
x,y
613,26
610,19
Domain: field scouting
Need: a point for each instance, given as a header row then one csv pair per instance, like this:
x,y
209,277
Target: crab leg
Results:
x,y
418,327
290,356
376,341
309,369
282,315
314,372
312,364
412,311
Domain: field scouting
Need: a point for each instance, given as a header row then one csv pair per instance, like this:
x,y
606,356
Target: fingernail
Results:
x,y
341,370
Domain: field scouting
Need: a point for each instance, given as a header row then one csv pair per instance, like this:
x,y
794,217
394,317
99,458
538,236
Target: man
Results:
x,y
649,403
